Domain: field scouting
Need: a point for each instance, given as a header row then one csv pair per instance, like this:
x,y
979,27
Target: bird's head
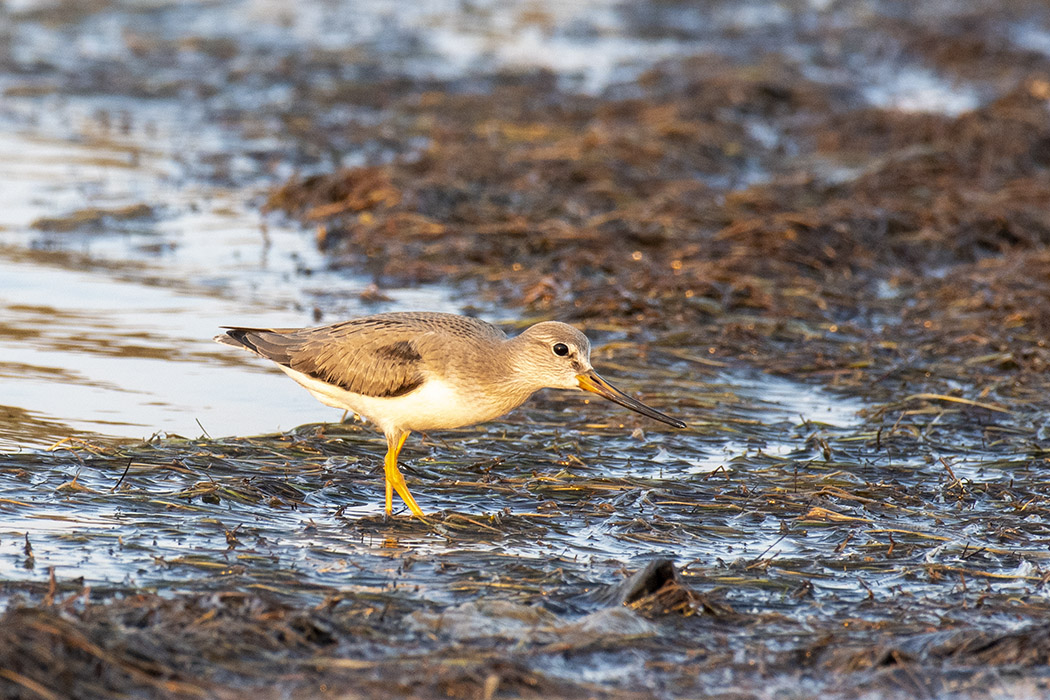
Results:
x,y
557,356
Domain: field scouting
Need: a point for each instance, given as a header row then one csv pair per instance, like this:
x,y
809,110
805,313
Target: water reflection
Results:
x,y
106,326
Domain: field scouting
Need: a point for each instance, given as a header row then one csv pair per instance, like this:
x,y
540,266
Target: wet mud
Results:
x,y
839,283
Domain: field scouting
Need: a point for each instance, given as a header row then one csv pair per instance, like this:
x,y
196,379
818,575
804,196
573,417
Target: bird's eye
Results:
x,y
560,349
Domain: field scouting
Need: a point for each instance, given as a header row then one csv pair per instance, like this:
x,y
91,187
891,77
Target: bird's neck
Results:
x,y
516,383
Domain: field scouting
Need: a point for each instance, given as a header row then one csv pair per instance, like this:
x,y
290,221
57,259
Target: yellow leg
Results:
x,y
389,495
394,480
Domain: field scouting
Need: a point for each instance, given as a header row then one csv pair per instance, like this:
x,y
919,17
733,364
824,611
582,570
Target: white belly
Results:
x,y
433,406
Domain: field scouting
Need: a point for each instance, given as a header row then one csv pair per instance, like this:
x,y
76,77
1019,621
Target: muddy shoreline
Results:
x,y
843,289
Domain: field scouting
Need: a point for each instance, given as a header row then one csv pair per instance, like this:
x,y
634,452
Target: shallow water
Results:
x,y
122,312
138,141
309,533
108,314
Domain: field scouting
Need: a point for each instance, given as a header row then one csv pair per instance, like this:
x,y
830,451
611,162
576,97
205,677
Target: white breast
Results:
x,y
433,406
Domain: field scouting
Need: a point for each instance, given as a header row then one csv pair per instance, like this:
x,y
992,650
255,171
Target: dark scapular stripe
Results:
x,y
402,352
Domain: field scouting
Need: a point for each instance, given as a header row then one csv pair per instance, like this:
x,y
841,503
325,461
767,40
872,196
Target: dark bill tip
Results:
x,y
595,384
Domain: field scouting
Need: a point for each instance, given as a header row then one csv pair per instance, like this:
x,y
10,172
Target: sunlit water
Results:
x,y
122,318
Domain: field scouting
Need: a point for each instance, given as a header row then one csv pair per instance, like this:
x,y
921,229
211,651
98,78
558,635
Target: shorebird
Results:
x,y
429,371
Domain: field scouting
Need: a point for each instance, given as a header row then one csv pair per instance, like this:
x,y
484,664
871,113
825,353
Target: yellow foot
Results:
x,y
394,480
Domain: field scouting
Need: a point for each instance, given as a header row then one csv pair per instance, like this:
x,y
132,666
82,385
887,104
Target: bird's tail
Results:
x,y
273,344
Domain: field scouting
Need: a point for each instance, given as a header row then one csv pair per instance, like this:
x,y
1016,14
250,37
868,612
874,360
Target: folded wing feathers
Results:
x,y
347,355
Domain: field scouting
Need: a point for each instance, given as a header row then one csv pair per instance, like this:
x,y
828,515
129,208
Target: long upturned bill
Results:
x,y
592,382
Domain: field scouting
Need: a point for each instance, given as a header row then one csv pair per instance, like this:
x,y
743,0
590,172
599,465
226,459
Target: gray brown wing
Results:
x,y
378,355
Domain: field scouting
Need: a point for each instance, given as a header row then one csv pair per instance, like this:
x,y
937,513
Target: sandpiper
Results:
x,y
428,371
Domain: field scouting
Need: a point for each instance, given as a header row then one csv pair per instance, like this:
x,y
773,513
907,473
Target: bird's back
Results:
x,y
384,355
